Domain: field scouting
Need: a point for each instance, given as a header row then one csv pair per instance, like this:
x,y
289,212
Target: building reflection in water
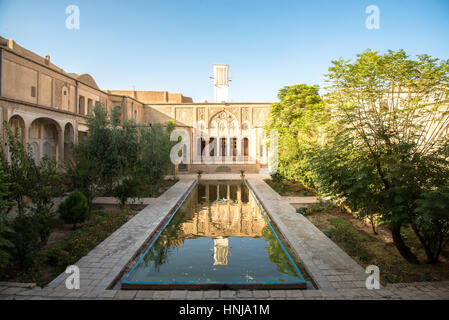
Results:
x,y
221,251
219,211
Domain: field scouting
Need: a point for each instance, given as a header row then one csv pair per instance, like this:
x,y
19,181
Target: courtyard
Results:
x,y
225,151
335,274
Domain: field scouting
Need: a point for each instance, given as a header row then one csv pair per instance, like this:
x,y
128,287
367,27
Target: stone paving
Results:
x,y
407,291
223,176
336,275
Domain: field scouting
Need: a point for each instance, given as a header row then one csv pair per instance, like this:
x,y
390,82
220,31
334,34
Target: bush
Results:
x,y
276,177
25,239
302,210
129,187
74,209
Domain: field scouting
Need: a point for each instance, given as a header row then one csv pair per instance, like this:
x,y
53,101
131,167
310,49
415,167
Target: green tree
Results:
x,y
388,145
5,231
298,118
119,158
102,159
31,189
47,181
155,145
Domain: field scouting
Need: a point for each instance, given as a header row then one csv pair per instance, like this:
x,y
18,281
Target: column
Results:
x,y
60,146
239,198
239,148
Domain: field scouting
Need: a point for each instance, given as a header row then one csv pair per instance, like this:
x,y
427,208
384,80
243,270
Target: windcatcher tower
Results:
x,y
221,82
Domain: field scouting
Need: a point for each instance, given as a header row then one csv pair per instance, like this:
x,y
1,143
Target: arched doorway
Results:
x,y
44,138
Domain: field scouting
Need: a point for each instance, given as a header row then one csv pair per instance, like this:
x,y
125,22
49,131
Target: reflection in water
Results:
x,y
221,251
218,235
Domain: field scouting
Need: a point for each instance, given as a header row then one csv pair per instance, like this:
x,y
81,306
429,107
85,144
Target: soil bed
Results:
x,y
357,239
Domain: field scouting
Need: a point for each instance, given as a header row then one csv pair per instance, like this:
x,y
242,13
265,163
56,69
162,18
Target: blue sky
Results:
x,y
171,45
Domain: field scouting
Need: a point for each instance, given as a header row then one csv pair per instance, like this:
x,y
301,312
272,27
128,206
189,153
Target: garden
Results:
x,y
376,145
47,216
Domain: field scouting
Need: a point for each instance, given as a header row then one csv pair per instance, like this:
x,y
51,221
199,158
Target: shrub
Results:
x,y
127,188
276,177
57,256
25,239
74,209
302,210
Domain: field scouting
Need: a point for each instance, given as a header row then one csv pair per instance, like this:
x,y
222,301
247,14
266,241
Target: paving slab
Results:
x,y
301,200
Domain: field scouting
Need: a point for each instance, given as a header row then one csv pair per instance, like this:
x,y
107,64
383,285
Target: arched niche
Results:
x,y
69,140
223,124
17,126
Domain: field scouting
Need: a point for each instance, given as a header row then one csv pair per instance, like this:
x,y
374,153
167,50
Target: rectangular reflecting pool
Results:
x,y
219,237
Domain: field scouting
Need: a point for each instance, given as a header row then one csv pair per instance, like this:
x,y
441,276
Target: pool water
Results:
x,y
217,237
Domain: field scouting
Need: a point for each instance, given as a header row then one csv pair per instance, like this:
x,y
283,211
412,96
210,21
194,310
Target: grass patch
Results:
x,y
289,189
349,238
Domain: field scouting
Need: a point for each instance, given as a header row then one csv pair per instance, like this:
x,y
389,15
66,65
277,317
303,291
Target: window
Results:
x,y
33,91
64,98
81,105
201,146
245,146
212,147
